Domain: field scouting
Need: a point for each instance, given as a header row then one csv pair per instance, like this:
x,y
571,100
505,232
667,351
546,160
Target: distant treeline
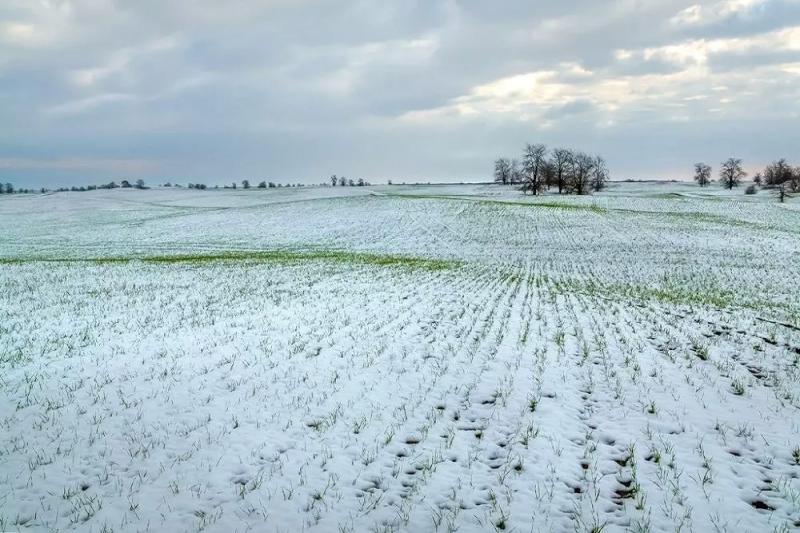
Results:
x,y
342,181
8,188
245,184
124,184
779,176
570,171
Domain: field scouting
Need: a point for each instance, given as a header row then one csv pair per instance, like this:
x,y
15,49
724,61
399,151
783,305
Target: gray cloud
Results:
x,y
299,89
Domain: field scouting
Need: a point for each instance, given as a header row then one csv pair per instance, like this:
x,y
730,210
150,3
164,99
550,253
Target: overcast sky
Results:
x,y
295,90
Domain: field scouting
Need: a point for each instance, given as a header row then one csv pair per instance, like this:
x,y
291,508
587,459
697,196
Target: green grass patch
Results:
x,y
546,205
673,292
678,295
258,256
667,293
666,195
688,215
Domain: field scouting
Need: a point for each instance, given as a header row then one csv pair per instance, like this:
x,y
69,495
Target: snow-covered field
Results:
x,y
432,358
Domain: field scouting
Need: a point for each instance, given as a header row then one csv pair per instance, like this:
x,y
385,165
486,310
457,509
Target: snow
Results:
x,y
627,361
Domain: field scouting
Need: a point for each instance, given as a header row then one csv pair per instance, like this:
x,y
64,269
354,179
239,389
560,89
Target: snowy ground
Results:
x,y
400,358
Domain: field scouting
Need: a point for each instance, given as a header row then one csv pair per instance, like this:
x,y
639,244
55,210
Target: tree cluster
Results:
x,y
540,169
245,184
731,173
139,184
8,188
782,173
782,177
342,181
778,175
124,184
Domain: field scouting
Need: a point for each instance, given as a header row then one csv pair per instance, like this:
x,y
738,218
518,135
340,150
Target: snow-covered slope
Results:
x,y
400,358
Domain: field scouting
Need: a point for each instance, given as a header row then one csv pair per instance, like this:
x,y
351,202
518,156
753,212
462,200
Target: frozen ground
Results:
x,y
400,359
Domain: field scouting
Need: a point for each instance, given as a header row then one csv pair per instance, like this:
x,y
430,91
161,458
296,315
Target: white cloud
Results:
x,y
118,61
22,35
698,15
525,96
699,51
245,85
82,105
90,103
533,96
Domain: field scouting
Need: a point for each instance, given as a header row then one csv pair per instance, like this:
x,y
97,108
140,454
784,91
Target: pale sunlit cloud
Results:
x,y
698,14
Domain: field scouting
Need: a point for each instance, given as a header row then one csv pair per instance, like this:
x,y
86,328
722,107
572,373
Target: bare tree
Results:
x,y
781,192
533,162
795,181
731,172
502,171
334,179
599,174
515,176
778,172
342,181
582,165
702,174
561,162
548,174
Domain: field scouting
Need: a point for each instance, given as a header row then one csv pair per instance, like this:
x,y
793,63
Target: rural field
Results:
x,y
400,358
